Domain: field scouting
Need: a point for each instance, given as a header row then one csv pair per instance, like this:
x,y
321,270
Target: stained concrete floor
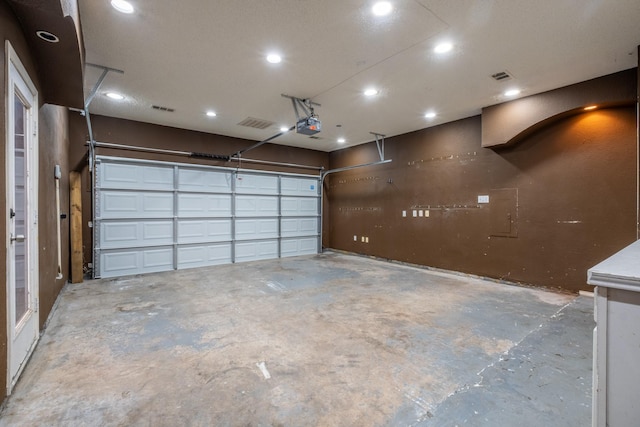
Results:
x,y
326,340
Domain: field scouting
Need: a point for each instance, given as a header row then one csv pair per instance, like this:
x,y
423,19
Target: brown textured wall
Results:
x,y
570,188
54,148
127,132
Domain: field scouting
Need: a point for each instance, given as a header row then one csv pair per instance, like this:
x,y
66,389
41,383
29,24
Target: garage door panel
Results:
x,y
247,229
295,247
128,234
204,255
135,176
256,184
201,231
135,204
256,206
291,186
204,205
252,251
154,216
291,227
205,181
123,262
299,206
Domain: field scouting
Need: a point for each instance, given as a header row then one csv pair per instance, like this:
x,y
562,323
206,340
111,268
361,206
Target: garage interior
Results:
x,y
315,213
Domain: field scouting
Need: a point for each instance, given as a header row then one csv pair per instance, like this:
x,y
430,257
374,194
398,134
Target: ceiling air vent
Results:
x,y
502,75
314,137
252,122
160,108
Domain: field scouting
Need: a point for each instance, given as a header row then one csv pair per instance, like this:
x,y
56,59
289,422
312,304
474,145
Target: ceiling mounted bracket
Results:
x,y
305,104
379,144
87,103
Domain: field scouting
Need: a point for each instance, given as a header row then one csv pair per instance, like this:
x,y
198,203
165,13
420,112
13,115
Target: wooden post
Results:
x,y
75,183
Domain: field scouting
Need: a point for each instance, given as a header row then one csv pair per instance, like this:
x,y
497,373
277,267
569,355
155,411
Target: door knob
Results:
x,y
17,238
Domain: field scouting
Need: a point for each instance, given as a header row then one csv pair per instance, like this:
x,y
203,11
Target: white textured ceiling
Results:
x,y
196,55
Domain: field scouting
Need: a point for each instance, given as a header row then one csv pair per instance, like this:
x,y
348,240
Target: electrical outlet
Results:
x,y
355,238
415,214
362,239
404,214
366,240
426,214
420,213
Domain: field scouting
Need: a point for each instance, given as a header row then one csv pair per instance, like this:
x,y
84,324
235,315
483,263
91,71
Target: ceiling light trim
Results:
x,y
123,6
115,96
371,91
382,8
443,47
274,58
47,36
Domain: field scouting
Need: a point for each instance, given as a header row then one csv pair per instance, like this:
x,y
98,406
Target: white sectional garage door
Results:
x,y
158,216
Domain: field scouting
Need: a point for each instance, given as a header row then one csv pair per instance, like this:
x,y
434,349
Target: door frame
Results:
x,y
30,324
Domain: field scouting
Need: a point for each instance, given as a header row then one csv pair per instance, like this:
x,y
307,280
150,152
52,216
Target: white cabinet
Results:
x,y
616,339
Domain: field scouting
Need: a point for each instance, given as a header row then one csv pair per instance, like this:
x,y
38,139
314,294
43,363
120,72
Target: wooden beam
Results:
x,y
75,184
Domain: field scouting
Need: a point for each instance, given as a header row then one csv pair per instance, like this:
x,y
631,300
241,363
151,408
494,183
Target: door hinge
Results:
x,y
37,305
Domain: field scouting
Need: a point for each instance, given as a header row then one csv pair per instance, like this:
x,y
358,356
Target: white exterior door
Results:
x,y
22,227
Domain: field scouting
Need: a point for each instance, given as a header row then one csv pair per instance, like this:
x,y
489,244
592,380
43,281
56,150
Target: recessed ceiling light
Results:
x,y
430,115
341,140
274,58
371,91
47,36
122,6
512,92
284,129
590,107
382,8
211,113
443,47
114,95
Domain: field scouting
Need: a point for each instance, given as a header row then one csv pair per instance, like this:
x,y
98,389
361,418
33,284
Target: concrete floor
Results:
x,y
326,340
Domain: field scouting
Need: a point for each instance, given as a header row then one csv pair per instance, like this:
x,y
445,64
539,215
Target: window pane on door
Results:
x,y
20,229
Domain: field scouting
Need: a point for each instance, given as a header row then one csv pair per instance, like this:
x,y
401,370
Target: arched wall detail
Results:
x,y
510,122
